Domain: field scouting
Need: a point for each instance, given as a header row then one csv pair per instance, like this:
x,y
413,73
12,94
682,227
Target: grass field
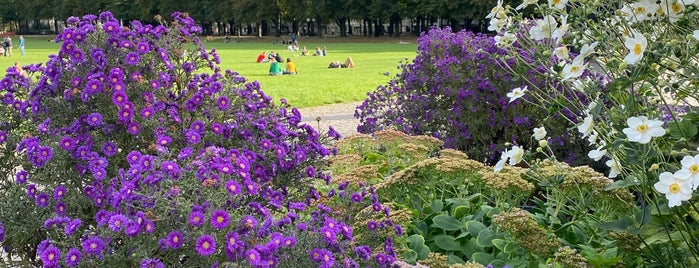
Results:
x,y
315,84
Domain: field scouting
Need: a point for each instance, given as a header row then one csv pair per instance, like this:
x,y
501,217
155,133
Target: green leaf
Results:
x,y
499,243
446,242
485,238
447,222
453,259
682,129
482,258
474,227
409,256
415,239
416,242
460,211
437,205
510,248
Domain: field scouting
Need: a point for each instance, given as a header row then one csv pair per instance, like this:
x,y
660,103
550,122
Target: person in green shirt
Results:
x,y
275,68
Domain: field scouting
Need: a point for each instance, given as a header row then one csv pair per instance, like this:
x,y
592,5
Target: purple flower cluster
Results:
x,y
456,90
139,152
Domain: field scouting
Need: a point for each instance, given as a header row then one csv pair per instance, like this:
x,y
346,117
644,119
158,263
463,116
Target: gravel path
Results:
x,y
340,116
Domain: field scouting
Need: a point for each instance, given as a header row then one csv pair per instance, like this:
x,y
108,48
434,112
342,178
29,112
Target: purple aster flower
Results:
x,y
50,256
253,257
248,222
185,152
132,229
133,158
192,136
163,140
21,177
217,128
199,126
31,190
220,219
42,200
223,103
93,86
147,112
133,128
73,257
93,245
372,225
152,263
132,58
76,55
117,222
311,171
143,47
329,235
59,192
111,27
125,114
174,239
196,218
60,208
119,98
148,226
109,148
251,187
94,119
356,197
376,206
3,137
206,245
233,187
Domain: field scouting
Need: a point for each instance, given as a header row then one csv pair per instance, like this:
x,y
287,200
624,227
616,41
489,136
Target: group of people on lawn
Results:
x,y
275,61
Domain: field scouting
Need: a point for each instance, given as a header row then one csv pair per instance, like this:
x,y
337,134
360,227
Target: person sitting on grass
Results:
x,y
275,68
290,67
318,52
349,63
304,51
262,57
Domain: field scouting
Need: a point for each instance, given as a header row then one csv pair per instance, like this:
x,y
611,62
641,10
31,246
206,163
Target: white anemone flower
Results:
x,y
517,93
543,28
636,46
561,30
558,4
562,52
505,40
614,168
672,9
514,156
690,170
539,133
586,126
497,24
574,69
641,129
587,49
640,11
675,189
526,3
597,154
496,11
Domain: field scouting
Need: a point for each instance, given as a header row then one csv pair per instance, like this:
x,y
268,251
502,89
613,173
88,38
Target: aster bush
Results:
x,y
131,147
456,89
641,118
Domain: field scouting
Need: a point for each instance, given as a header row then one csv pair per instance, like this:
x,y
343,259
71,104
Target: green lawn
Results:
x,y
314,85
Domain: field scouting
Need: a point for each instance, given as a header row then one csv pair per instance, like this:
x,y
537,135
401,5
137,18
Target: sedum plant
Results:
x,y
130,147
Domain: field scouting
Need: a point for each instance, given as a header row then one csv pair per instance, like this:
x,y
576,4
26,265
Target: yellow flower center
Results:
x,y
205,245
637,49
252,257
51,256
642,128
639,10
676,7
175,239
232,188
556,2
73,258
574,69
694,168
93,245
219,219
674,188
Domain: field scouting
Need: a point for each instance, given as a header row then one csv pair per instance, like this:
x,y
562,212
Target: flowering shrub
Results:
x,y
455,90
642,123
122,152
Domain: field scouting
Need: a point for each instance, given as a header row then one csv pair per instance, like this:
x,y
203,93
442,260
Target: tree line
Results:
x,y
275,17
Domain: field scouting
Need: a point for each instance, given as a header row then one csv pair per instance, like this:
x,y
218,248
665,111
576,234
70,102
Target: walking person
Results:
x,y
7,44
21,44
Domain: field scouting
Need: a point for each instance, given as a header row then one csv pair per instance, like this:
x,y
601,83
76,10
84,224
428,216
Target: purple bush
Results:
x,y
133,148
455,89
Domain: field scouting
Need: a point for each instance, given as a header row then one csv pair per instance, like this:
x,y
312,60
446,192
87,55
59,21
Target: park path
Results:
x,y
340,116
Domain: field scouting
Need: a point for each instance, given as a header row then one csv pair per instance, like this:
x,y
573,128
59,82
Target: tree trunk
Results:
x,y
342,23
279,26
350,31
320,26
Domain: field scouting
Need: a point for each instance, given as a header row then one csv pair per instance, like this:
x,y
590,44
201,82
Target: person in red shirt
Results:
x,y
262,57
